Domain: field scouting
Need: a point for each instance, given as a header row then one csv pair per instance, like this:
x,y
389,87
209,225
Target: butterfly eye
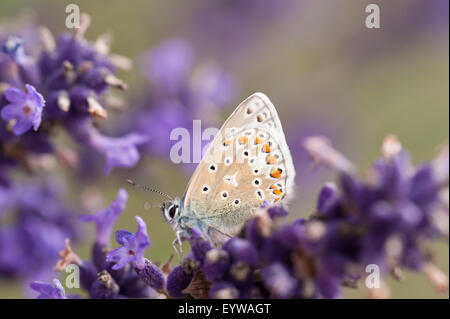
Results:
x,y
172,211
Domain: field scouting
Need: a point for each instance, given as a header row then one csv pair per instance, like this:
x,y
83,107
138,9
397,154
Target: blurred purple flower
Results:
x,y
104,219
25,109
182,89
169,65
118,151
72,74
231,27
47,291
33,209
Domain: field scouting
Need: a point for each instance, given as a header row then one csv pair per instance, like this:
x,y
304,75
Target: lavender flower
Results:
x,y
177,281
33,209
357,223
133,247
104,219
105,280
119,151
47,291
385,220
25,109
72,75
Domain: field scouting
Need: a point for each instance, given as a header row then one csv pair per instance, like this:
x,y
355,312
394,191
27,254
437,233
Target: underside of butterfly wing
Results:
x,y
247,163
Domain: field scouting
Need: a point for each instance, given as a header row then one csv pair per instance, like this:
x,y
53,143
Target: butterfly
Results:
x,y
247,163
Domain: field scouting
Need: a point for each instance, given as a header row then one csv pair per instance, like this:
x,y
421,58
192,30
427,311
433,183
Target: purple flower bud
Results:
x,y
98,255
424,188
47,291
241,274
119,275
199,245
242,250
253,234
151,275
277,211
290,236
410,214
223,290
105,287
133,287
328,198
177,281
271,250
216,264
88,274
278,281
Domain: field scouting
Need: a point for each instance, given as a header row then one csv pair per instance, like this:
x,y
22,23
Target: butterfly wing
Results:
x,y
247,163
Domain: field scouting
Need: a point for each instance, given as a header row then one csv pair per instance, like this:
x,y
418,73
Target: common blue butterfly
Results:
x,y
247,163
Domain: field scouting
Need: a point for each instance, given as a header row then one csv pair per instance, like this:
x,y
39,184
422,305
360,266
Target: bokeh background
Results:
x,y
323,69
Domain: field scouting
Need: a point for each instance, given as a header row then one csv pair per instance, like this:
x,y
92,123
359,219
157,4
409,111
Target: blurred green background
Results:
x,y
317,62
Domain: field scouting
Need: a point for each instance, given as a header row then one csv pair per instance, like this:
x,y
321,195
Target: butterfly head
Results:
x,y
171,211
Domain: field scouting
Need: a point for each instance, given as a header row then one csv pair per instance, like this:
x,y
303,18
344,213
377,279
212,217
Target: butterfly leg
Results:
x,y
179,242
175,241
175,248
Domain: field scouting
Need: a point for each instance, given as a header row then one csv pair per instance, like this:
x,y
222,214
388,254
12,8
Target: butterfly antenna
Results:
x,y
148,189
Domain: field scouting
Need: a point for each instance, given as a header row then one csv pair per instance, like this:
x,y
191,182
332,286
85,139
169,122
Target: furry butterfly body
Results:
x,y
247,163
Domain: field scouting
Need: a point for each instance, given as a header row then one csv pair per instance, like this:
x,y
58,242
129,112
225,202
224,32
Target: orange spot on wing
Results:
x,y
259,118
272,187
227,142
271,159
277,192
257,140
277,199
242,140
266,148
275,173
249,111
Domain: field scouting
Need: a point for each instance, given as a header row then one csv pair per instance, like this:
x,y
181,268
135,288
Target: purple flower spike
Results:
x,y
47,291
242,250
105,219
278,281
151,275
132,247
177,281
24,108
